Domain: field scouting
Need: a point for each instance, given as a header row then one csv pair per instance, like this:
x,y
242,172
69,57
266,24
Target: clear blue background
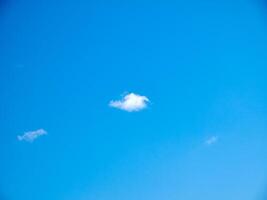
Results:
x,y
202,64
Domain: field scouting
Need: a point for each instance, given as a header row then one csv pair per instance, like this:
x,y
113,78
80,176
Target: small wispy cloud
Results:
x,y
211,140
30,136
130,102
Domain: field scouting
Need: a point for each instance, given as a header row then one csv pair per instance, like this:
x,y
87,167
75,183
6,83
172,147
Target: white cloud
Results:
x,y
211,140
130,102
30,136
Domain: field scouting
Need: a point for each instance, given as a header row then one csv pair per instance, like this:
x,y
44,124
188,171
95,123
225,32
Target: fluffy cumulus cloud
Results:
x,y
30,136
211,140
130,102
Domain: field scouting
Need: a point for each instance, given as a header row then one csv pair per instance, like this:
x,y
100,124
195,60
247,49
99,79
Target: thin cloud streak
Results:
x,y
30,136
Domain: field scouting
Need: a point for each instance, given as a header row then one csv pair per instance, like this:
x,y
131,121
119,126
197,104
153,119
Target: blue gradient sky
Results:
x,y
202,64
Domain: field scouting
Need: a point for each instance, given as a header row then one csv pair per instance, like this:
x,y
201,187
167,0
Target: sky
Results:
x,y
133,99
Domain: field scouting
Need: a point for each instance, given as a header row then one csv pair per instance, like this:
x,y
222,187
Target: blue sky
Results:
x,y
111,100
